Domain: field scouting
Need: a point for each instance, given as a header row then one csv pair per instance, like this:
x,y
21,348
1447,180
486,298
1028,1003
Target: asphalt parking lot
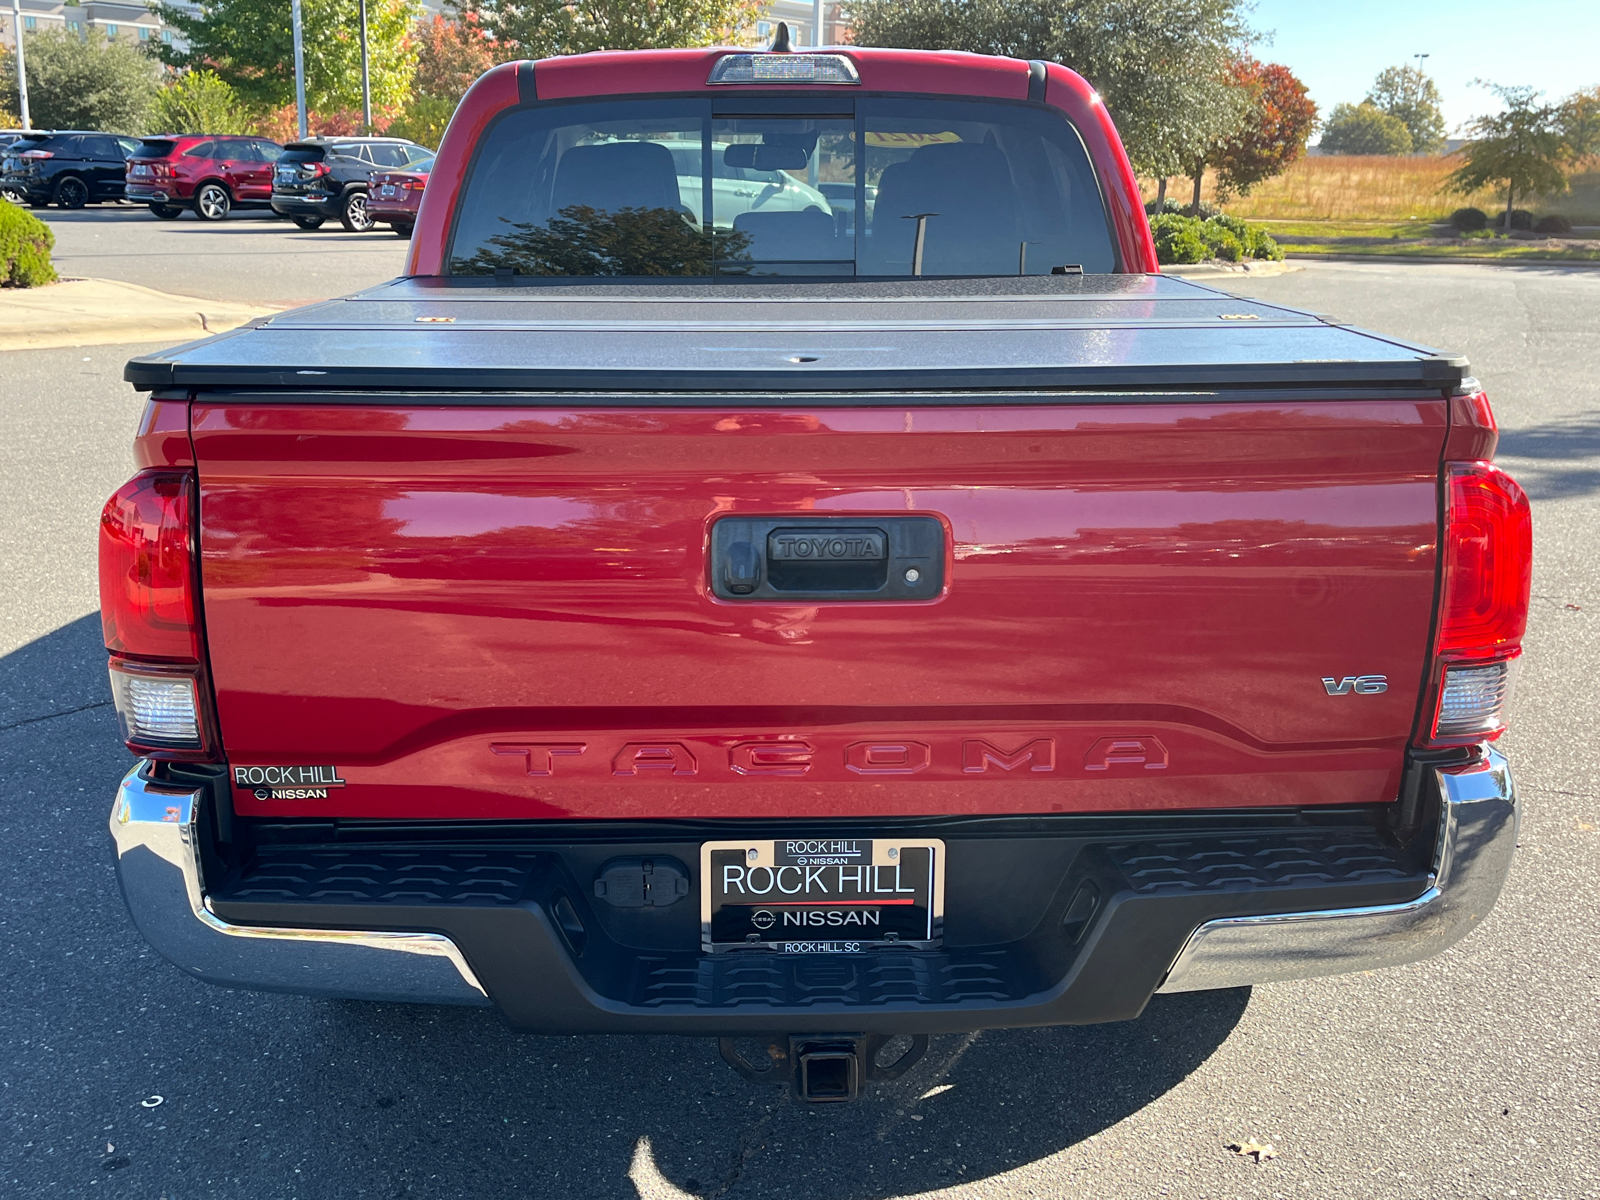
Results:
x,y
1470,1075
250,258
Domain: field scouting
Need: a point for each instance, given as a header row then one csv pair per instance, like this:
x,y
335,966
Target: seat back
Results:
x,y
968,186
791,236
616,175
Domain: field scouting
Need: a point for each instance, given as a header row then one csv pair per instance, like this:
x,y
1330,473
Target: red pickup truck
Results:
x,y
784,564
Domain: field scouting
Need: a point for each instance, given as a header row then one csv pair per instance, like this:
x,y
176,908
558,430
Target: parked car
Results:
x,y
209,174
393,197
68,168
824,635
7,192
737,188
323,178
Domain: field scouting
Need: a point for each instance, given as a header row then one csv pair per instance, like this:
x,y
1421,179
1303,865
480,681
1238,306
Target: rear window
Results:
x,y
154,148
903,187
390,154
301,154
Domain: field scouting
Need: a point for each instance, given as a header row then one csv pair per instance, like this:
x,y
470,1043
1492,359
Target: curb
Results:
x,y
1431,259
1231,269
99,312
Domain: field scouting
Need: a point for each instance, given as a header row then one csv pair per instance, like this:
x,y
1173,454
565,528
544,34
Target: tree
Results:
x,y
1364,129
1521,148
450,57
1273,134
1162,66
1406,93
541,28
250,44
1578,119
88,82
199,102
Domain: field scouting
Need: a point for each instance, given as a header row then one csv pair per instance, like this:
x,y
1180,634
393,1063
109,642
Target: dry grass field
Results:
x,y
1369,188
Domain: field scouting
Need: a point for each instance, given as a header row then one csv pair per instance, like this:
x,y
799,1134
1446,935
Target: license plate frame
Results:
x,y
830,895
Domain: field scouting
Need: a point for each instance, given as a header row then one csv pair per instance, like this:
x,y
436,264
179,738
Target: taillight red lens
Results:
x,y
37,154
147,605
1488,564
1488,569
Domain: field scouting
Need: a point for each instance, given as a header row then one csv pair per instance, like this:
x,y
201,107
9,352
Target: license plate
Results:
x,y
386,190
286,176
141,170
821,895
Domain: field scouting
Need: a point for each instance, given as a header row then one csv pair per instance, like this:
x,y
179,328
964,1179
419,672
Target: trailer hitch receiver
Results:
x,y
823,1068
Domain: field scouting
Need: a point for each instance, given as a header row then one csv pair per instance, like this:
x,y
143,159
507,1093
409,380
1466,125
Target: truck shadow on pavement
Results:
x,y
197,1090
661,1118
1559,458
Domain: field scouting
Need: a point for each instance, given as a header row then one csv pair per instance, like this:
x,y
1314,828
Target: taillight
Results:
x,y
414,185
147,568
148,614
37,154
158,709
161,170
1483,604
315,170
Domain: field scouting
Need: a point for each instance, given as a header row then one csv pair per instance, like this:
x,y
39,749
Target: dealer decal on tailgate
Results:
x,y
288,783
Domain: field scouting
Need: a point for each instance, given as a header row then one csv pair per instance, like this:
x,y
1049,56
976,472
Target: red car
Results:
x,y
393,197
211,175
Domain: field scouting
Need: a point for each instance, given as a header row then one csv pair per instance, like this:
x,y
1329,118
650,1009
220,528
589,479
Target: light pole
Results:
x,y
366,78
816,22
299,70
22,69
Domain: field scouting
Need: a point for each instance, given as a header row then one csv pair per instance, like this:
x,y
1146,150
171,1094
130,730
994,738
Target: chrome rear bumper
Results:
x,y
157,831
158,865
1477,834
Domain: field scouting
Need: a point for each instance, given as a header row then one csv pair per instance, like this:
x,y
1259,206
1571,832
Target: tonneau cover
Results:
x,y
1056,333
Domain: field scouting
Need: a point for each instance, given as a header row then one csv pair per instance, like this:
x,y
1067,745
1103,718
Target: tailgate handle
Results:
x,y
839,558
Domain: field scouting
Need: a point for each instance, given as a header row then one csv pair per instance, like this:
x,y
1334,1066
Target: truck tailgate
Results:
x,y
471,607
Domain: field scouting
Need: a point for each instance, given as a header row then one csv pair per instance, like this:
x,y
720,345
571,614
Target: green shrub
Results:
x,y
25,245
1554,223
1521,218
1264,246
1221,241
1464,219
1178,239
1184,239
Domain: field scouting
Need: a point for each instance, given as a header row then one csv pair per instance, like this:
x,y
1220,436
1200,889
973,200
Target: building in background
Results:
x,y
128,20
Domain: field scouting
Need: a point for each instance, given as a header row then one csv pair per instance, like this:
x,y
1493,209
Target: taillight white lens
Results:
x,y
1472,702
157,710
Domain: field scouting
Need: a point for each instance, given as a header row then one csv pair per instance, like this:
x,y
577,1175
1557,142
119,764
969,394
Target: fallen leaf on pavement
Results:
x,y
153,1102
1261,1151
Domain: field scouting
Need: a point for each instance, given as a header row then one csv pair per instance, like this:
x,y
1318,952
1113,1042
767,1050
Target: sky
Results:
x,y
1337,49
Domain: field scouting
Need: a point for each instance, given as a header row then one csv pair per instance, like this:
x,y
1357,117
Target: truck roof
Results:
x,y
845,337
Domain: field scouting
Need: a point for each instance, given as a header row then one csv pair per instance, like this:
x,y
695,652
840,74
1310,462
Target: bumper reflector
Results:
x,y
784,68
1473,700
156,710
